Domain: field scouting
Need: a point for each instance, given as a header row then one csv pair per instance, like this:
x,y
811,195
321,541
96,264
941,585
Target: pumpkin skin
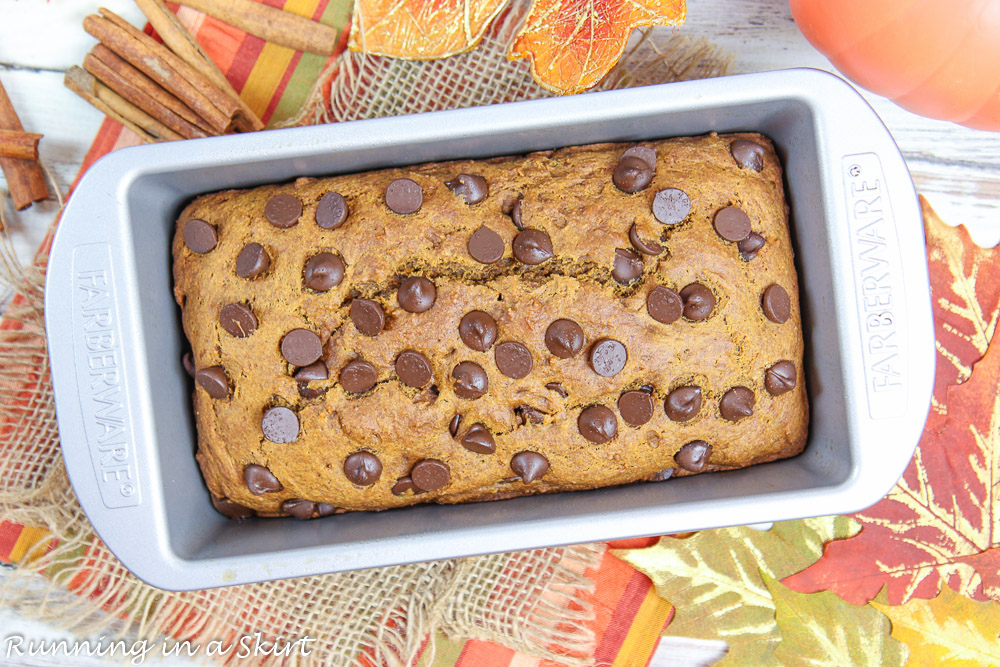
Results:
x,y
938,59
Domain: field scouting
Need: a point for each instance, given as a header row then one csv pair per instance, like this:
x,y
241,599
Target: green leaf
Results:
x,y
821,629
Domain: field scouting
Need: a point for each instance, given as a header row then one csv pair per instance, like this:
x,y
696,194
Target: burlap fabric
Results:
x,y
529,601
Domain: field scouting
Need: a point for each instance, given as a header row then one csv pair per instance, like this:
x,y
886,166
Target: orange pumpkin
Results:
x,y
938,59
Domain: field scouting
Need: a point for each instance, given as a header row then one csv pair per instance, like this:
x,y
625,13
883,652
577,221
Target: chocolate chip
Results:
x,y
699,302
430,475
732,224
358,376
750,246
526,414
214,381
323,272
231,510
564,338
636,407
416,294
471,380
307,374
454,425
252,261
513,360
644,153
199,236
473,188
260,480
671,206
187,361
663,475
664,305
780,378
645,247
478,330
532,246
238,320
299,508
628,266
367,316
694,455
413,369
428,396
404,196
597,424
323,509
280,425
737,404
632,174
478,439
558,388
683,403
776,305
362,468
402,485
512,207
529,466
283,210
485,246
748,154
608,357
331,211
301,347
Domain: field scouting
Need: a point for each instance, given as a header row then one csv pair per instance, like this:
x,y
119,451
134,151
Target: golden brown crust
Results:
x,y
569,194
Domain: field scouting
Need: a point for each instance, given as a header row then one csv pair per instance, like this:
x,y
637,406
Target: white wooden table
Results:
x,y
956,168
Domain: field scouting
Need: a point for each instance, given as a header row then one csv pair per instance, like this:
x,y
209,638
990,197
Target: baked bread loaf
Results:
x,y
482,329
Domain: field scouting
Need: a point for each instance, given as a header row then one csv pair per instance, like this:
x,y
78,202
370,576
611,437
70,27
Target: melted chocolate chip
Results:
x,y
664,305
358,376
748,154
404,484
737,404
683,403
644,153
299,508
776,305
632,174
199,236
301,347
532,246
470,380
671,206
362,468
780,378
597,424
260,480
473,188
187,361
430,475
331,211
283,210
323,272
564,338
699,302
525,414
750,246
231,510
512,207
732,224
416,295
645,247
513,360
529,466
413,369
663,475
404,196
368,316
280,425
478,439
478,330
608,357
558,388
238,320
694,455
628,266
213,380
636,407
252,261
307,374
485,246
454,425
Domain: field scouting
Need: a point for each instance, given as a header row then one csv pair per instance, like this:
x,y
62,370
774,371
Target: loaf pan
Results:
x,y
124,402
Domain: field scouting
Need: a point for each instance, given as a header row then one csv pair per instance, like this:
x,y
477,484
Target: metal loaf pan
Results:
x,y
124,404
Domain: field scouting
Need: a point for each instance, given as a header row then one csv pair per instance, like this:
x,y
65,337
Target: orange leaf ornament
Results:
x,y
573,44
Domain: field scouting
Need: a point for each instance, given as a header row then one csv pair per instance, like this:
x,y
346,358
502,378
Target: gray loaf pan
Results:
x,y
124,401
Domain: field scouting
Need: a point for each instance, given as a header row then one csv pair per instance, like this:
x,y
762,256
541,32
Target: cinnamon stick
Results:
x,y
25,178
143,93
271,24
181,42
19,145
114,107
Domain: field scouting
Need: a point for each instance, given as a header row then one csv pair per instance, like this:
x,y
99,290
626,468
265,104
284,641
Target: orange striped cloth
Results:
x,y
275,81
